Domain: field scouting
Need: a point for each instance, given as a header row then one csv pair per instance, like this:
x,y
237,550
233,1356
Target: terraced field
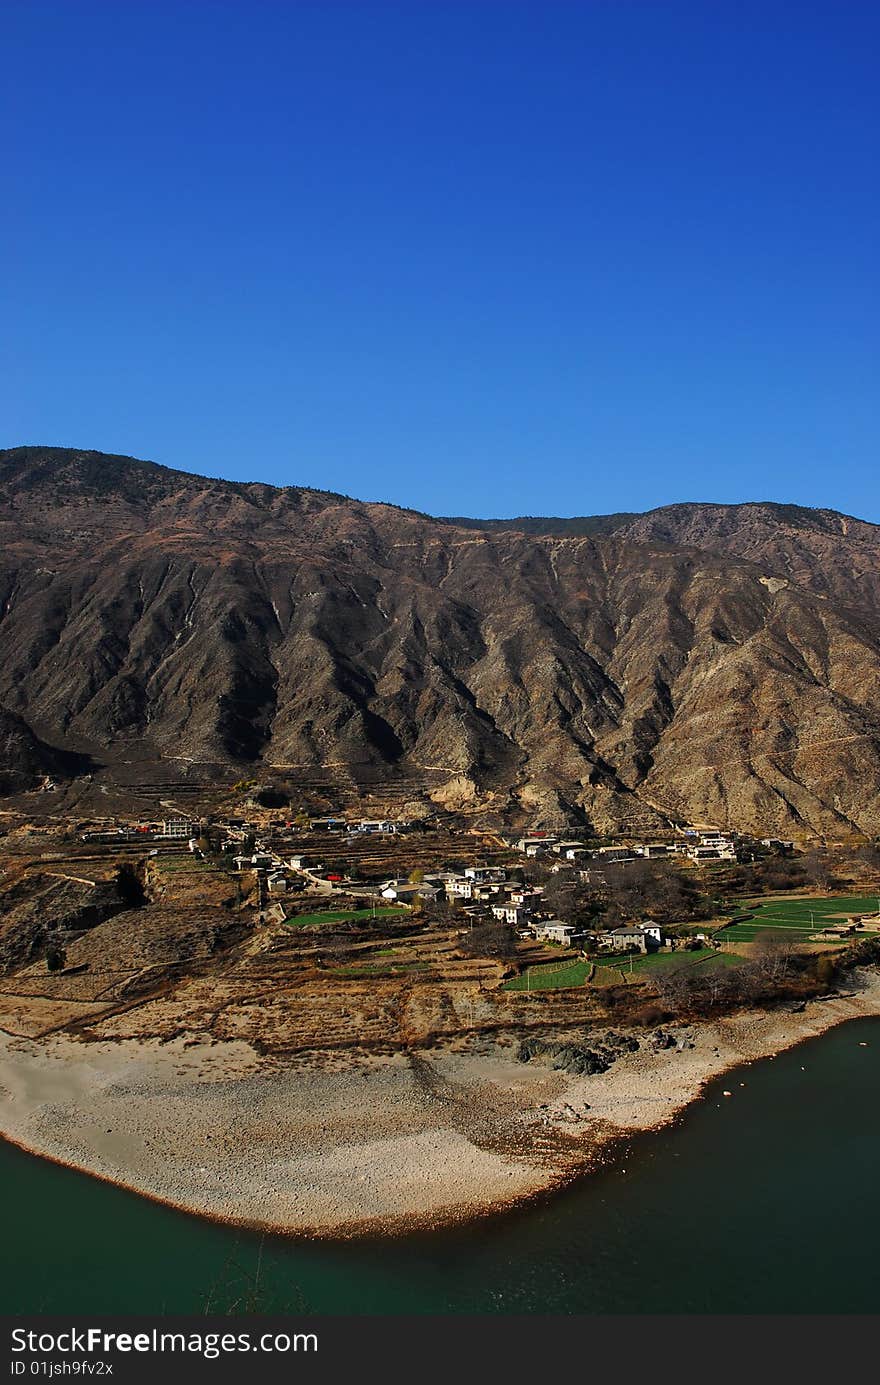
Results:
x,y
345,916
800,918
551,977
614,971
640,963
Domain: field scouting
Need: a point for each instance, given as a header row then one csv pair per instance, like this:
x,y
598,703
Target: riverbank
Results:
x,y
336,1147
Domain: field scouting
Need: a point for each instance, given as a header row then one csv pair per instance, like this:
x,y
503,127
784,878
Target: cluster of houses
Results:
x,y
480,892
489,893
171,829
365,826
693,844
710,846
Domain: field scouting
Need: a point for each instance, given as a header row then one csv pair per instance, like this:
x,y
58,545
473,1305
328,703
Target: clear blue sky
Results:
x,y
484,257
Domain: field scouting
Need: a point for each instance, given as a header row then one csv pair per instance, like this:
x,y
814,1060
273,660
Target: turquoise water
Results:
x,y
763,1202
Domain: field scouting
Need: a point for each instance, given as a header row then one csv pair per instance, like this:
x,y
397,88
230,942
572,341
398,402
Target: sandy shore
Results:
x,y
370,1144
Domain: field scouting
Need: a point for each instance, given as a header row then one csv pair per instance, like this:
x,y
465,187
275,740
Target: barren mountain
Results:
x,y
832,554
25,760
719,663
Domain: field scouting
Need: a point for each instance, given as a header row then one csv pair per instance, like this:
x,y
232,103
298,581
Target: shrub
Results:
x,y
55,957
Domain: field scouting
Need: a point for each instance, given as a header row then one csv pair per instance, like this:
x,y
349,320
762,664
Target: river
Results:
x,y
764,1201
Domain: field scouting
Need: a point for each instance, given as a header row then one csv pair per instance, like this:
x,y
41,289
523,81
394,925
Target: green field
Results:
x,y
794,916
654,961
550,978
346,916
612,971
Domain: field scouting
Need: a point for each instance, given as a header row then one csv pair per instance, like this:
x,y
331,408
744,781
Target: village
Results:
x,y
544,891
370,893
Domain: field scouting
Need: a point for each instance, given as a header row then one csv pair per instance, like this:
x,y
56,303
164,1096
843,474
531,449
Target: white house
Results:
x,y
615,855
720,842
460,887
591,877
398,892
532,845
697,854
405,894
526,898
177,827
554,931
627,939
513,914
563,848
643,937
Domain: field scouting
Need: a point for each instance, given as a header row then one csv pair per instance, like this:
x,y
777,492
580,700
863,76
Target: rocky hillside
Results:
x,y
721,663
26,761
832,554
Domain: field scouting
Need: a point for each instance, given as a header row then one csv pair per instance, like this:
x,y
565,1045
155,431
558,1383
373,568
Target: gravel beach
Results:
x,y
363,1144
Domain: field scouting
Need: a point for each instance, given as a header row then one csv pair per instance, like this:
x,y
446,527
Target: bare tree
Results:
x,y
869,857
771,955
568,896
818,868
656,888
490,940
674,984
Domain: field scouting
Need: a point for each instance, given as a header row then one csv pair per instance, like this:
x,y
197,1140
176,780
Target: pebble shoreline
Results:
x,y
377,1146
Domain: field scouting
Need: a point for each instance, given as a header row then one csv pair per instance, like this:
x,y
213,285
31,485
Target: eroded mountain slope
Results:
x,y
152,612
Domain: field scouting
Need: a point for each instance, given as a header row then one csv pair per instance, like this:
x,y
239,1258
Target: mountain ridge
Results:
x,y
717,663
610,523
56,457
